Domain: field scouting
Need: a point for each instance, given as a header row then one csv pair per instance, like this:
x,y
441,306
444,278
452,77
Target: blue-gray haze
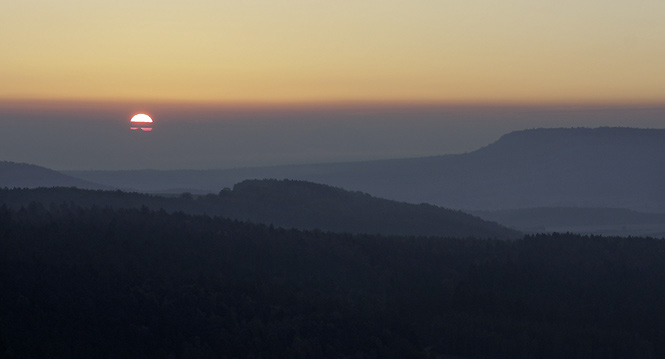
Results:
x,y
193,138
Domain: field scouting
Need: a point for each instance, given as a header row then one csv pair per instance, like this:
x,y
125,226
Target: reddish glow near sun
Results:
x,y
141,122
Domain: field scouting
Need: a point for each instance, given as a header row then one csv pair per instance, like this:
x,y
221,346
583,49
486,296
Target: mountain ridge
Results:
x,y
570,167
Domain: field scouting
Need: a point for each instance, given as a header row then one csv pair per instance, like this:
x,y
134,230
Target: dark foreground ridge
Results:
x,y
133,283
288,204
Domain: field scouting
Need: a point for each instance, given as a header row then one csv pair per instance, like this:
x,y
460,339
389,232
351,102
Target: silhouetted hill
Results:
x,y
308,205
288,204
572,167
603,221
23,175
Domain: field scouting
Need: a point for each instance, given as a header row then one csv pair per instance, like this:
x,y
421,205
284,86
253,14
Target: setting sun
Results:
x,y
141,118
141,122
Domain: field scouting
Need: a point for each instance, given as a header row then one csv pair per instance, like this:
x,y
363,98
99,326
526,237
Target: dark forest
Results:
x,y
81,282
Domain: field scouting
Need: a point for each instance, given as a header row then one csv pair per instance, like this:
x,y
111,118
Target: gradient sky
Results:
x,y
257,82
470,51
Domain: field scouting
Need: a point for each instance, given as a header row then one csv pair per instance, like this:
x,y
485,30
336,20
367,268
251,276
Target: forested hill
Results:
x,y
286,203
135,283
25,175
308,205
565,167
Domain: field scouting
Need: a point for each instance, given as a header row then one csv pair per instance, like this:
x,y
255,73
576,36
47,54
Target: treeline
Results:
x,y
286,203
81,282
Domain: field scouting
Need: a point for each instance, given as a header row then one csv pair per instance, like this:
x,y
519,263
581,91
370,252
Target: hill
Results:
x,y
302,204
566,167
23,175
288,204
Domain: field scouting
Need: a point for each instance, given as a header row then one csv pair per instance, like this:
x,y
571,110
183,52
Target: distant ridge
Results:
x,y
24,175
562,167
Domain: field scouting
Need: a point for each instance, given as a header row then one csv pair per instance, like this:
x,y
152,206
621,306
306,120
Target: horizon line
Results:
x,y
332,103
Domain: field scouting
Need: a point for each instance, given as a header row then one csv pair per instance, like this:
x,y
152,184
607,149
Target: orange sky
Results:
x,y
286,51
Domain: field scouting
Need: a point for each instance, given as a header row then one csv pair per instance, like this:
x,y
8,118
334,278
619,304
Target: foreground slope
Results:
x,y
134,283
286,203
567,167
23,175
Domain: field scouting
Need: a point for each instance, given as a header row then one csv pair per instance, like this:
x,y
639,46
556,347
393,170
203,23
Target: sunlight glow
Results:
x,y
141,117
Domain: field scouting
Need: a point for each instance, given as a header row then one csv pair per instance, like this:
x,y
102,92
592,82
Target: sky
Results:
x,y
256,82
519,51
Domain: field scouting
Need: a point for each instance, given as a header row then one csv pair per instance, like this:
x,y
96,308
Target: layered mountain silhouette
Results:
x,y
288,204
565,167
23,175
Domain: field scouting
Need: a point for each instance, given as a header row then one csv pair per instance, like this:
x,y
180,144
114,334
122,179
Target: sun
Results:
x,y
141,122
142,118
